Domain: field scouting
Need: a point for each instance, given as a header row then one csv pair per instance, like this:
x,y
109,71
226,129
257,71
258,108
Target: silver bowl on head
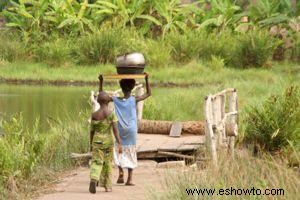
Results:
x,y
132,63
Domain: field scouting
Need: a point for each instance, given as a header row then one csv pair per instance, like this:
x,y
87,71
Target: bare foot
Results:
x,y
129,184
120,179
108,189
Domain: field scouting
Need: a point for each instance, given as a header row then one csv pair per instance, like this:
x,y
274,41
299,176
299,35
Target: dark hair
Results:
x,y
127,84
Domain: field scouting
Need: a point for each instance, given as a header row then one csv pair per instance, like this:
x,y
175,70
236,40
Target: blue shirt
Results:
x,y
126,112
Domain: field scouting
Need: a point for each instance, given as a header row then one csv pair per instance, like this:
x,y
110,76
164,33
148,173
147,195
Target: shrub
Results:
x,y
222,45
54,53
156,52
10,49
216,63
295,56
26,152
254,49
104,45
184,47
274,124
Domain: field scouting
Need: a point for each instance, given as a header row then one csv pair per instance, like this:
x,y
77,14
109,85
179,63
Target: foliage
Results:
x,y
24,152
55,53
223,14
103,46
254,49
10,48
242,172
271,12
275,123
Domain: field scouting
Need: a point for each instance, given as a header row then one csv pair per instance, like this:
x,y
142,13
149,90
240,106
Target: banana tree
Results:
x,y
75,16
175,16
268,13
223,13
123,13
27,15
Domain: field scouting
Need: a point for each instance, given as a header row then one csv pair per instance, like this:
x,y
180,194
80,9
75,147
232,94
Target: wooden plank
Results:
x,y
176,155
176,129
124,76
187,147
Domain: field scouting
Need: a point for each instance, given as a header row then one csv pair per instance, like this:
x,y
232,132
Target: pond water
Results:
x,y
52,102
42,102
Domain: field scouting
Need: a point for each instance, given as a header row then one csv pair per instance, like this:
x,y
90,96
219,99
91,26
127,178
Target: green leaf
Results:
x,y
150,18
11,24
66,22
107,4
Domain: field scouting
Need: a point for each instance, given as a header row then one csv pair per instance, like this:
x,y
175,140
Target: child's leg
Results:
x,y
106,173
121,175
95,169
129,179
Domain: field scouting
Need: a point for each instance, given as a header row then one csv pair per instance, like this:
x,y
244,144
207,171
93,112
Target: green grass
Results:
x,y
192,73
29,158
242,172
186,103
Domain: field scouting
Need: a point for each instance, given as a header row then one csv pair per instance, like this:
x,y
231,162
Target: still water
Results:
x,y
43,102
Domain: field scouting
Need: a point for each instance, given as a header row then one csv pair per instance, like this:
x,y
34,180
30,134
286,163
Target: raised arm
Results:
x,y
148,91
101,86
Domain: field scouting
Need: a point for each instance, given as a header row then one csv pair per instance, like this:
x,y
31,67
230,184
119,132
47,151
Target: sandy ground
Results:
x,y
75,187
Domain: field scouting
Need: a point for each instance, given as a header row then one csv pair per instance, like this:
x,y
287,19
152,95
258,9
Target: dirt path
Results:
x,y
75,187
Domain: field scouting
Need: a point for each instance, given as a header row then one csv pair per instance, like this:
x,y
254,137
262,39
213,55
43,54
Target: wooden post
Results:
x,y
140,105
210,138
233,119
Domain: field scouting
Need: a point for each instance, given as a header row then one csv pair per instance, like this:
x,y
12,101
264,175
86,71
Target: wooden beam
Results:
x,y
176,155
124,76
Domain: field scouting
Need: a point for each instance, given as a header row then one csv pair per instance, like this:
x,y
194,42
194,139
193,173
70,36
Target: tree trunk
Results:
x,y
164,127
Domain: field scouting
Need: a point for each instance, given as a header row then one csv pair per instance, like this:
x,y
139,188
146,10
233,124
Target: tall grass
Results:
x,y
251,49
24,153
275,124
242,172
11,49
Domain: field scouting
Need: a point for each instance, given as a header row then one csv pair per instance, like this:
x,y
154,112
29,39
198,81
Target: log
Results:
x,y
164,127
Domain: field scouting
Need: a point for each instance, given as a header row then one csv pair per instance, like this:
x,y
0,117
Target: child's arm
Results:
x,y
101,86
148,91
117,136
91,139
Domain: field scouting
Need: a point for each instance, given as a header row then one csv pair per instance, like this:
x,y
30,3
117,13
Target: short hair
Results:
x,y
102,97
127,85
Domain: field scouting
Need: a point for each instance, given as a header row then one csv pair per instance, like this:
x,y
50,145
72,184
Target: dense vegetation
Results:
x,y
240,34
190,43
28,157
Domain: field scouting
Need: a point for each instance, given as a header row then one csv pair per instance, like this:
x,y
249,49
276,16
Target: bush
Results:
x,y
10,49
103,46
296,49
26,152
54,53
184,47
156,52
253,49
222,45
274,124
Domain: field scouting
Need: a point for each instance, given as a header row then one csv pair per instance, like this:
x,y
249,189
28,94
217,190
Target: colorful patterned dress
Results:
x,y
102,150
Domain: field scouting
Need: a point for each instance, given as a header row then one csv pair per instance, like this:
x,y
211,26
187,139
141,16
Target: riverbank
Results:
x,y
192,74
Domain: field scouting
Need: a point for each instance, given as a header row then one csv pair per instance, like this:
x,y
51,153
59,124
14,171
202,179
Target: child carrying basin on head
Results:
x,y
125,108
